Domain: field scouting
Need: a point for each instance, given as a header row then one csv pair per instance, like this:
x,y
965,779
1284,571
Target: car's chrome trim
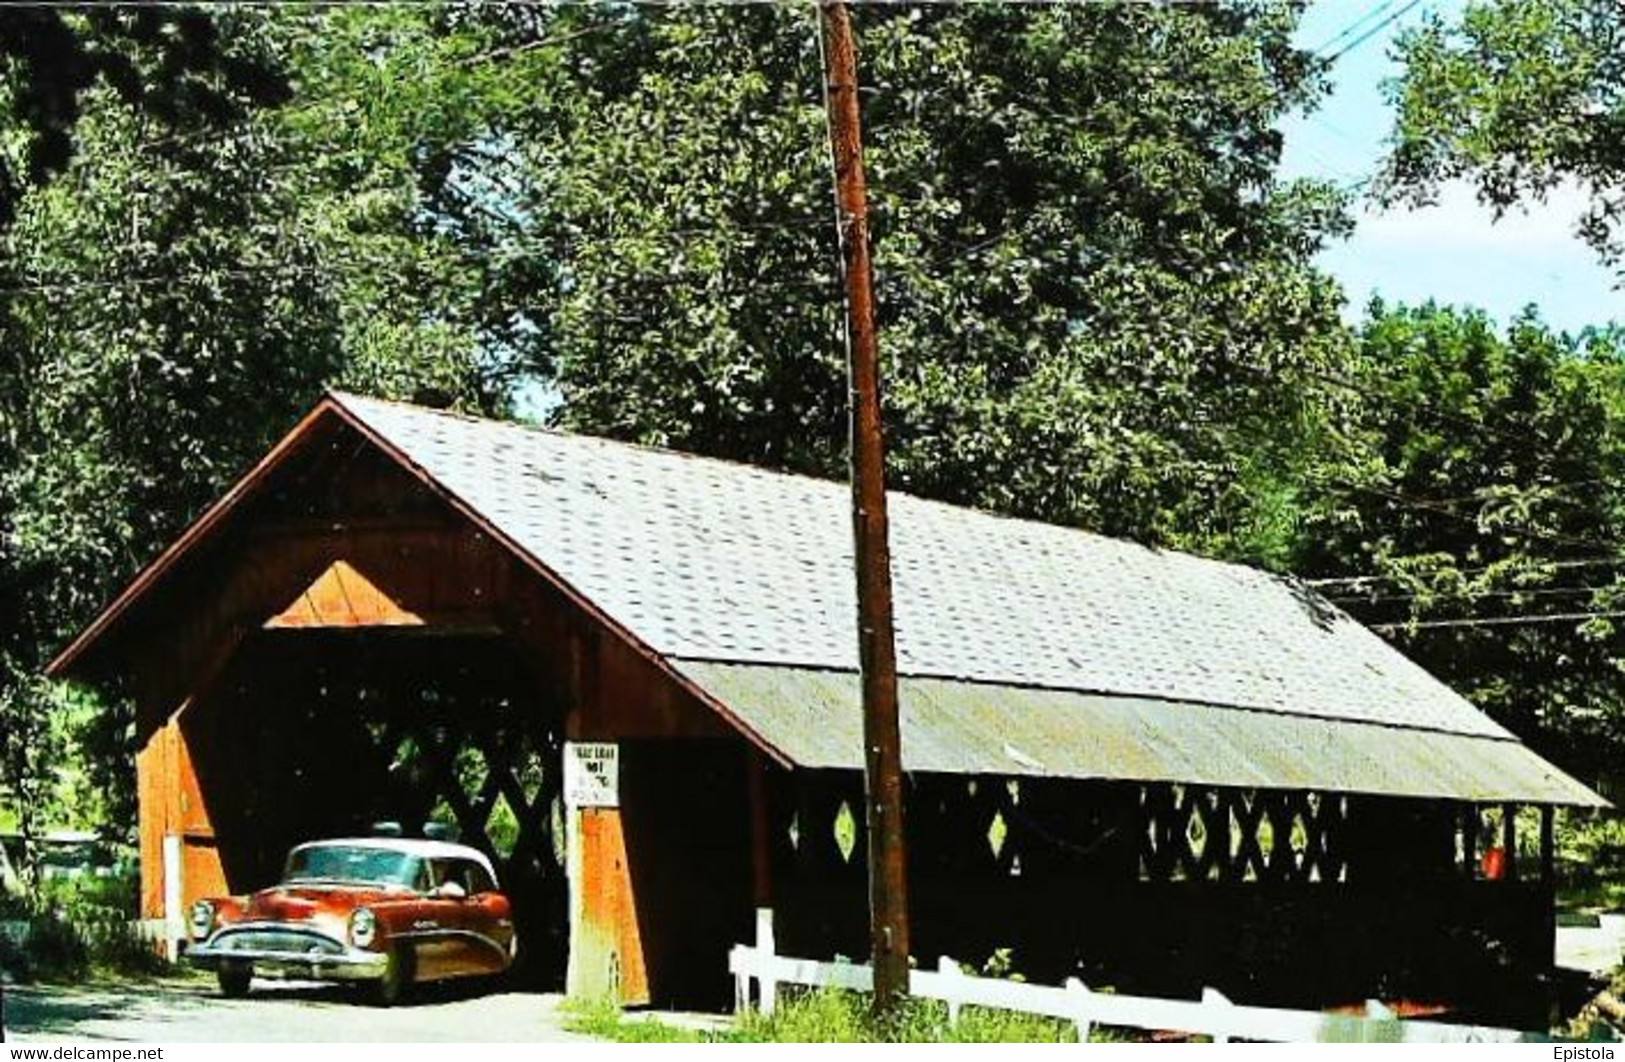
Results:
x,y
353,966
349,965
232,929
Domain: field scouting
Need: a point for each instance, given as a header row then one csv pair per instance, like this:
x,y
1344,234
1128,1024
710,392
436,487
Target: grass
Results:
x,y
829,1016
1591,862
604,1019
80,929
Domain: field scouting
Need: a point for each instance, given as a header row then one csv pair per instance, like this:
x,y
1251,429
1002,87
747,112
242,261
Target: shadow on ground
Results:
x,y
193,1011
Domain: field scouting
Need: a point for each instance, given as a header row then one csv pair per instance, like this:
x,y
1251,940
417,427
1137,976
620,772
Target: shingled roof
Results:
x,y
1024,648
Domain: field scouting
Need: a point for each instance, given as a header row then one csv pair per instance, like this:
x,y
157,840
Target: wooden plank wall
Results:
x,y
343,541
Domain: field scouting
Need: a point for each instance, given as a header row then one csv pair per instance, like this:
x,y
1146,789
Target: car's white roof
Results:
x,y
411,846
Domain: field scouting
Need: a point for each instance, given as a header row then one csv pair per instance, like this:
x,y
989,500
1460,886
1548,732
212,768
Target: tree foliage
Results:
x,y
1097,299
177,294
1075,209
1518,96
167,62
1490,494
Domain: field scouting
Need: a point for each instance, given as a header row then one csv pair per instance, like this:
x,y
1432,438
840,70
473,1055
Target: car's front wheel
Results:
x,y
391,988
234,980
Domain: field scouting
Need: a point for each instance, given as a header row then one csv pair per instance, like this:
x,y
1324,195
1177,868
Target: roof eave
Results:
x,y
75,661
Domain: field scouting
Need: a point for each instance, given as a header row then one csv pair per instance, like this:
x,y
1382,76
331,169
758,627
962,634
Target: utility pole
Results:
x,y
877,650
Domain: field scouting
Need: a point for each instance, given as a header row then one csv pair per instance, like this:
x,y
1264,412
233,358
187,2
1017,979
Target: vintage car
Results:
x,y
386,911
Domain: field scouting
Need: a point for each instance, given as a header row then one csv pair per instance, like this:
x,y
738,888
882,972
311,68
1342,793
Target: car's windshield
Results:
x,y
351,863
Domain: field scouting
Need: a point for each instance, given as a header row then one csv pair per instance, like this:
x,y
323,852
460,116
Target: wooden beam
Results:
x,y
1548,843
1469,840
1509,839
301,527
761,831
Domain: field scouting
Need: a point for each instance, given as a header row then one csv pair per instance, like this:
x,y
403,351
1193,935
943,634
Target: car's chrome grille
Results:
x,y
278,940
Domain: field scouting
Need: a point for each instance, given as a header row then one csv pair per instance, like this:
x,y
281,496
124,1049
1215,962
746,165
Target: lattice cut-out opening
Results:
x,y
472,771
502,827
443,814
1196,832
846,831
531,773
378,733
1266,837
408,760
1299,838
556,828
998,831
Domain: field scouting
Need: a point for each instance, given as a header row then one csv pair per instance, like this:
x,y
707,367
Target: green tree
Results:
x,y
1095,296
169,69
165,61
1517,96
1491,492
175,297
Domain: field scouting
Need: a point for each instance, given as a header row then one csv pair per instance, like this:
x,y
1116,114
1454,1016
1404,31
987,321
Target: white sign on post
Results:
x,y
592,775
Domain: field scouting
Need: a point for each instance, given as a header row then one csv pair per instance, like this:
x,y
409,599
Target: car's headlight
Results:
x,y
363,927
202,918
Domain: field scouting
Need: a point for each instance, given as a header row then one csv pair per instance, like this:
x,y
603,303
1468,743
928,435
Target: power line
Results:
x,y
1467,595
1556,486
1370,13
1422,505
1495,621
1372,32
1556,565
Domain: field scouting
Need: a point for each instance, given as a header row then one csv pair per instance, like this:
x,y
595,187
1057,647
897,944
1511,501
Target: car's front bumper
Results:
x,y
278,951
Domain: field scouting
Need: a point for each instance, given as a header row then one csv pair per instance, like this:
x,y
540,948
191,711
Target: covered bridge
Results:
x,y
1148,768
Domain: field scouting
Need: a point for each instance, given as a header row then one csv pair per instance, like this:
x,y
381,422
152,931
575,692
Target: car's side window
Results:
x,y
421,881
471,876
479,880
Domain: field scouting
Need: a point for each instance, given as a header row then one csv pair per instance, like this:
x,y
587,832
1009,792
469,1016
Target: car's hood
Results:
x,y
309,903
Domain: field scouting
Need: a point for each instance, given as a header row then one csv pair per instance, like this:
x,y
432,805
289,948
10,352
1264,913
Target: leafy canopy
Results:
x,y
1519,97
1490,490
1092,287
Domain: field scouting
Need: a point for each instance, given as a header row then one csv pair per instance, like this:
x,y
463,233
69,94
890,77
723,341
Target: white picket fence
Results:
x,y
1213,1015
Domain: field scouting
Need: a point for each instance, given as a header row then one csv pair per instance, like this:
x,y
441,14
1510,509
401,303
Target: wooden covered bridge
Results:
x,y
1154,770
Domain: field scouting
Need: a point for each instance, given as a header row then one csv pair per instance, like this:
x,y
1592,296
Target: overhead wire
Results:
x,y
1468,595
980,246
1555,565
1495,621
1372,32
1370,12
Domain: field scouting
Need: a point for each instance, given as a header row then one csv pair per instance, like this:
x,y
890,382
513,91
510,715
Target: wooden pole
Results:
x,y
877,652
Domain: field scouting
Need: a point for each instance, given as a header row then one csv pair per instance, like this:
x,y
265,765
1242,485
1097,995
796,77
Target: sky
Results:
x,y
1453,252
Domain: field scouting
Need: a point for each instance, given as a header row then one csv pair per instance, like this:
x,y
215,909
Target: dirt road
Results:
x,y
193,1012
